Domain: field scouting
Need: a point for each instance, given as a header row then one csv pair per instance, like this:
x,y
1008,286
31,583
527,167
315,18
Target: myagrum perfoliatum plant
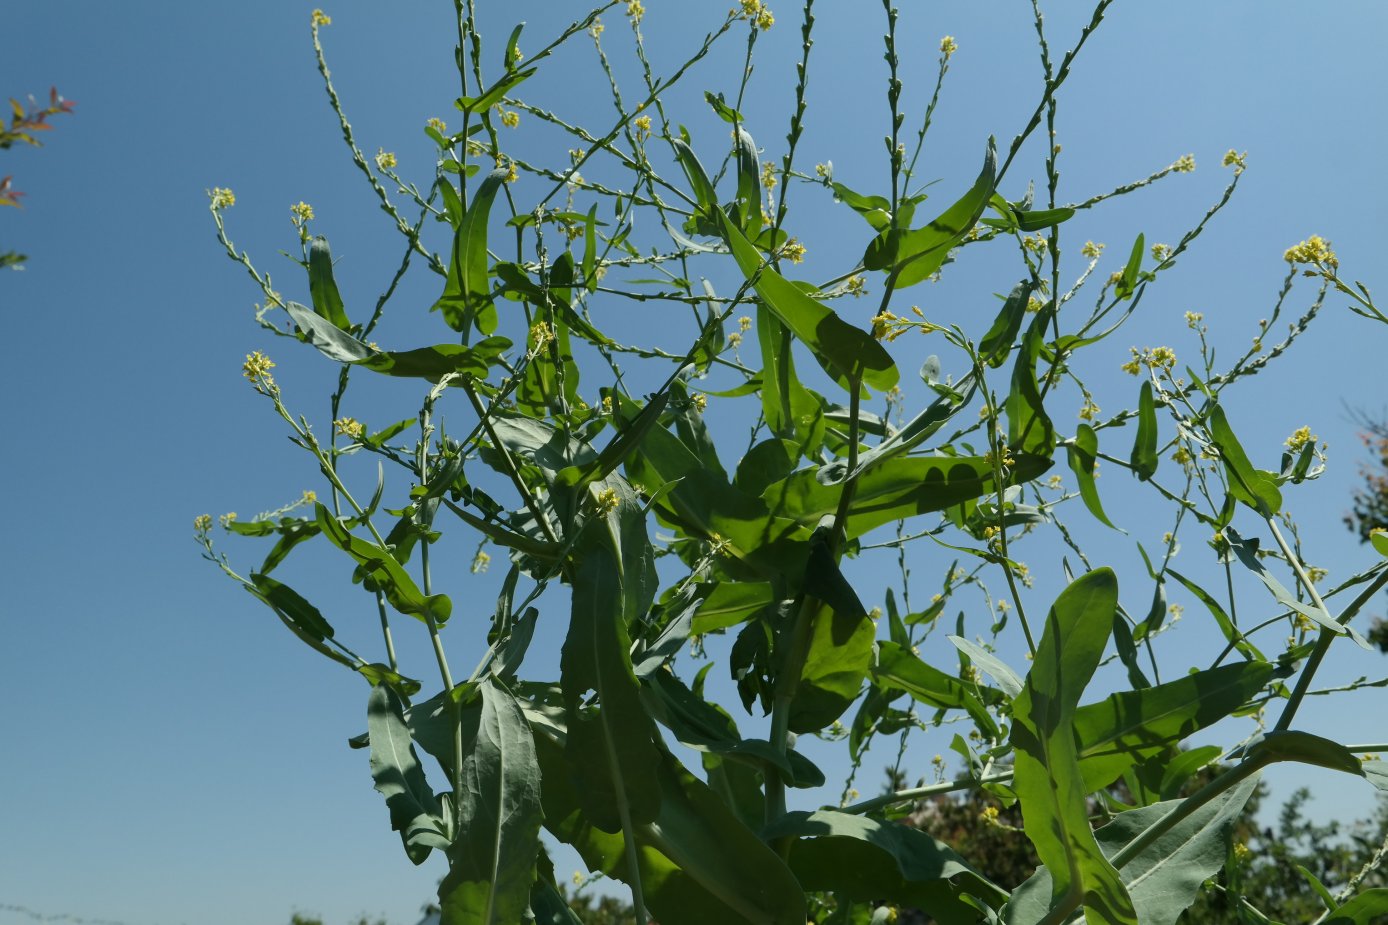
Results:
x,y
646,537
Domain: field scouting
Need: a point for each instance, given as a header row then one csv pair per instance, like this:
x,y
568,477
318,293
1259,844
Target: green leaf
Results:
x,y
333,342
729,603
433,363
914,256
1379,540
1305,748
1130,726
704,193
724,111
1128,282
748,183
841,348
1247,553
895,489
1226,625
1007,679
1165,878
414,810
867,860
1144,455
1038,219
493,94
1367,908
792,412
611,747
839,653
901,669
492,862
509,58
383,571
875,210
1254,487
292,607
1081,453
1029,427
466,299
321,285
697,862
590,249
997,343
1047,777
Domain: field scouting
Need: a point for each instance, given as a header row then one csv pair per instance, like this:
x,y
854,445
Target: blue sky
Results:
x,y
174,755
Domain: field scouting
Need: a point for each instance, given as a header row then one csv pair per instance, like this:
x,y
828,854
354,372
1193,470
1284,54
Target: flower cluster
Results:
x,y
793,251
1193,320
1161,252
385,160
607,500
257,369
222,198
541,334
643,127
510,119
1091,250
1299,438
1314,250
1184,164
350,427
321,19
856,286
301,212
948,46
437,124
756,11
1151,357
481,561
768,175
1236,160
636,11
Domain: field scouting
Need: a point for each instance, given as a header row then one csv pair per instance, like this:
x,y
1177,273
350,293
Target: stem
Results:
x,y
915,793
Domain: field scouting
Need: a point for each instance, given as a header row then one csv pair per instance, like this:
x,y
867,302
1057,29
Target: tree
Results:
x,y
1370,511
25,124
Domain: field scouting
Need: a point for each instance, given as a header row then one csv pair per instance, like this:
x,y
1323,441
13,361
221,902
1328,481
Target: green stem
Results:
x,y
916,793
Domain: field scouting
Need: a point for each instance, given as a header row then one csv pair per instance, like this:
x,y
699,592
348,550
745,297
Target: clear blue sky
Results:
x,y
172,755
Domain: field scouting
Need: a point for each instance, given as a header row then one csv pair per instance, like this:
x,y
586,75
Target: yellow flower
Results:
x,y
321,19
1315,250
302,212
1193,319
1088,411
202,523
1160,252
699,401
1299,438
1133,366
257,366
1184,164
481,561
1163,357
1236,160
856,286
310,496
765,20
437,125
635,10
948,46
350,427
768,175
1182,455
541,333
1055,482
750,8
516,55
385,160
643,126
744,323
793,251
1034,242
735,340
607,500
227,519
222,198
989,815
510,119
1092,250
595,30
824,170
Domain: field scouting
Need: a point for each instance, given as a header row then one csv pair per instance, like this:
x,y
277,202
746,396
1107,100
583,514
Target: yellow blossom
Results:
x,y
875,614
222,198
301,212
321,19
1089,411
744,323
350,427
1182,455
1034,304
480,561
1163,357
202,523
607,500
512,175
541,334
1236,160
643,126
1193,319
310,496
1241,851
635,10
595,30
1184,164
1055,482
765,20
227,519
699,401
385,160
257,366
793,251
510,118
1299,438
823,170
856,286
1160,252
948,46
989,815
1092,250
516,55
437,124
1034,242
1315,250
768,175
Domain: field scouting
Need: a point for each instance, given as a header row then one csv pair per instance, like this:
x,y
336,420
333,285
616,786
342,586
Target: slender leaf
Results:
x,y
414,810
1144,455
382,571
1254,487
1128,281
466,299
1368,908
997,343
327,302
1081,454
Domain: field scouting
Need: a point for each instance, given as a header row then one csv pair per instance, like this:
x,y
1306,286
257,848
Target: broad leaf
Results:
x,y
327,302
1368,908
996,344
1081,454
433,363
1047,777
492,861
466,299
901,669
1164,879
414,810
1254,487
381,570
1144,455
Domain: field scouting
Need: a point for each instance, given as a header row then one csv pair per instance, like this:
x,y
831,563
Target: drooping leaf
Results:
x,y
748,184
1037,219
1007,679
1254,487
899,668
1231,632
841,348
1305,748
414,810
1082,453
466,301
792,411
1368,908
493,94
867,859
1246,551
293,606
327,302
492,862
383,571
333,342
433,363
875,210
1144,455
1164,879
704,193
1046,774
1029,427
